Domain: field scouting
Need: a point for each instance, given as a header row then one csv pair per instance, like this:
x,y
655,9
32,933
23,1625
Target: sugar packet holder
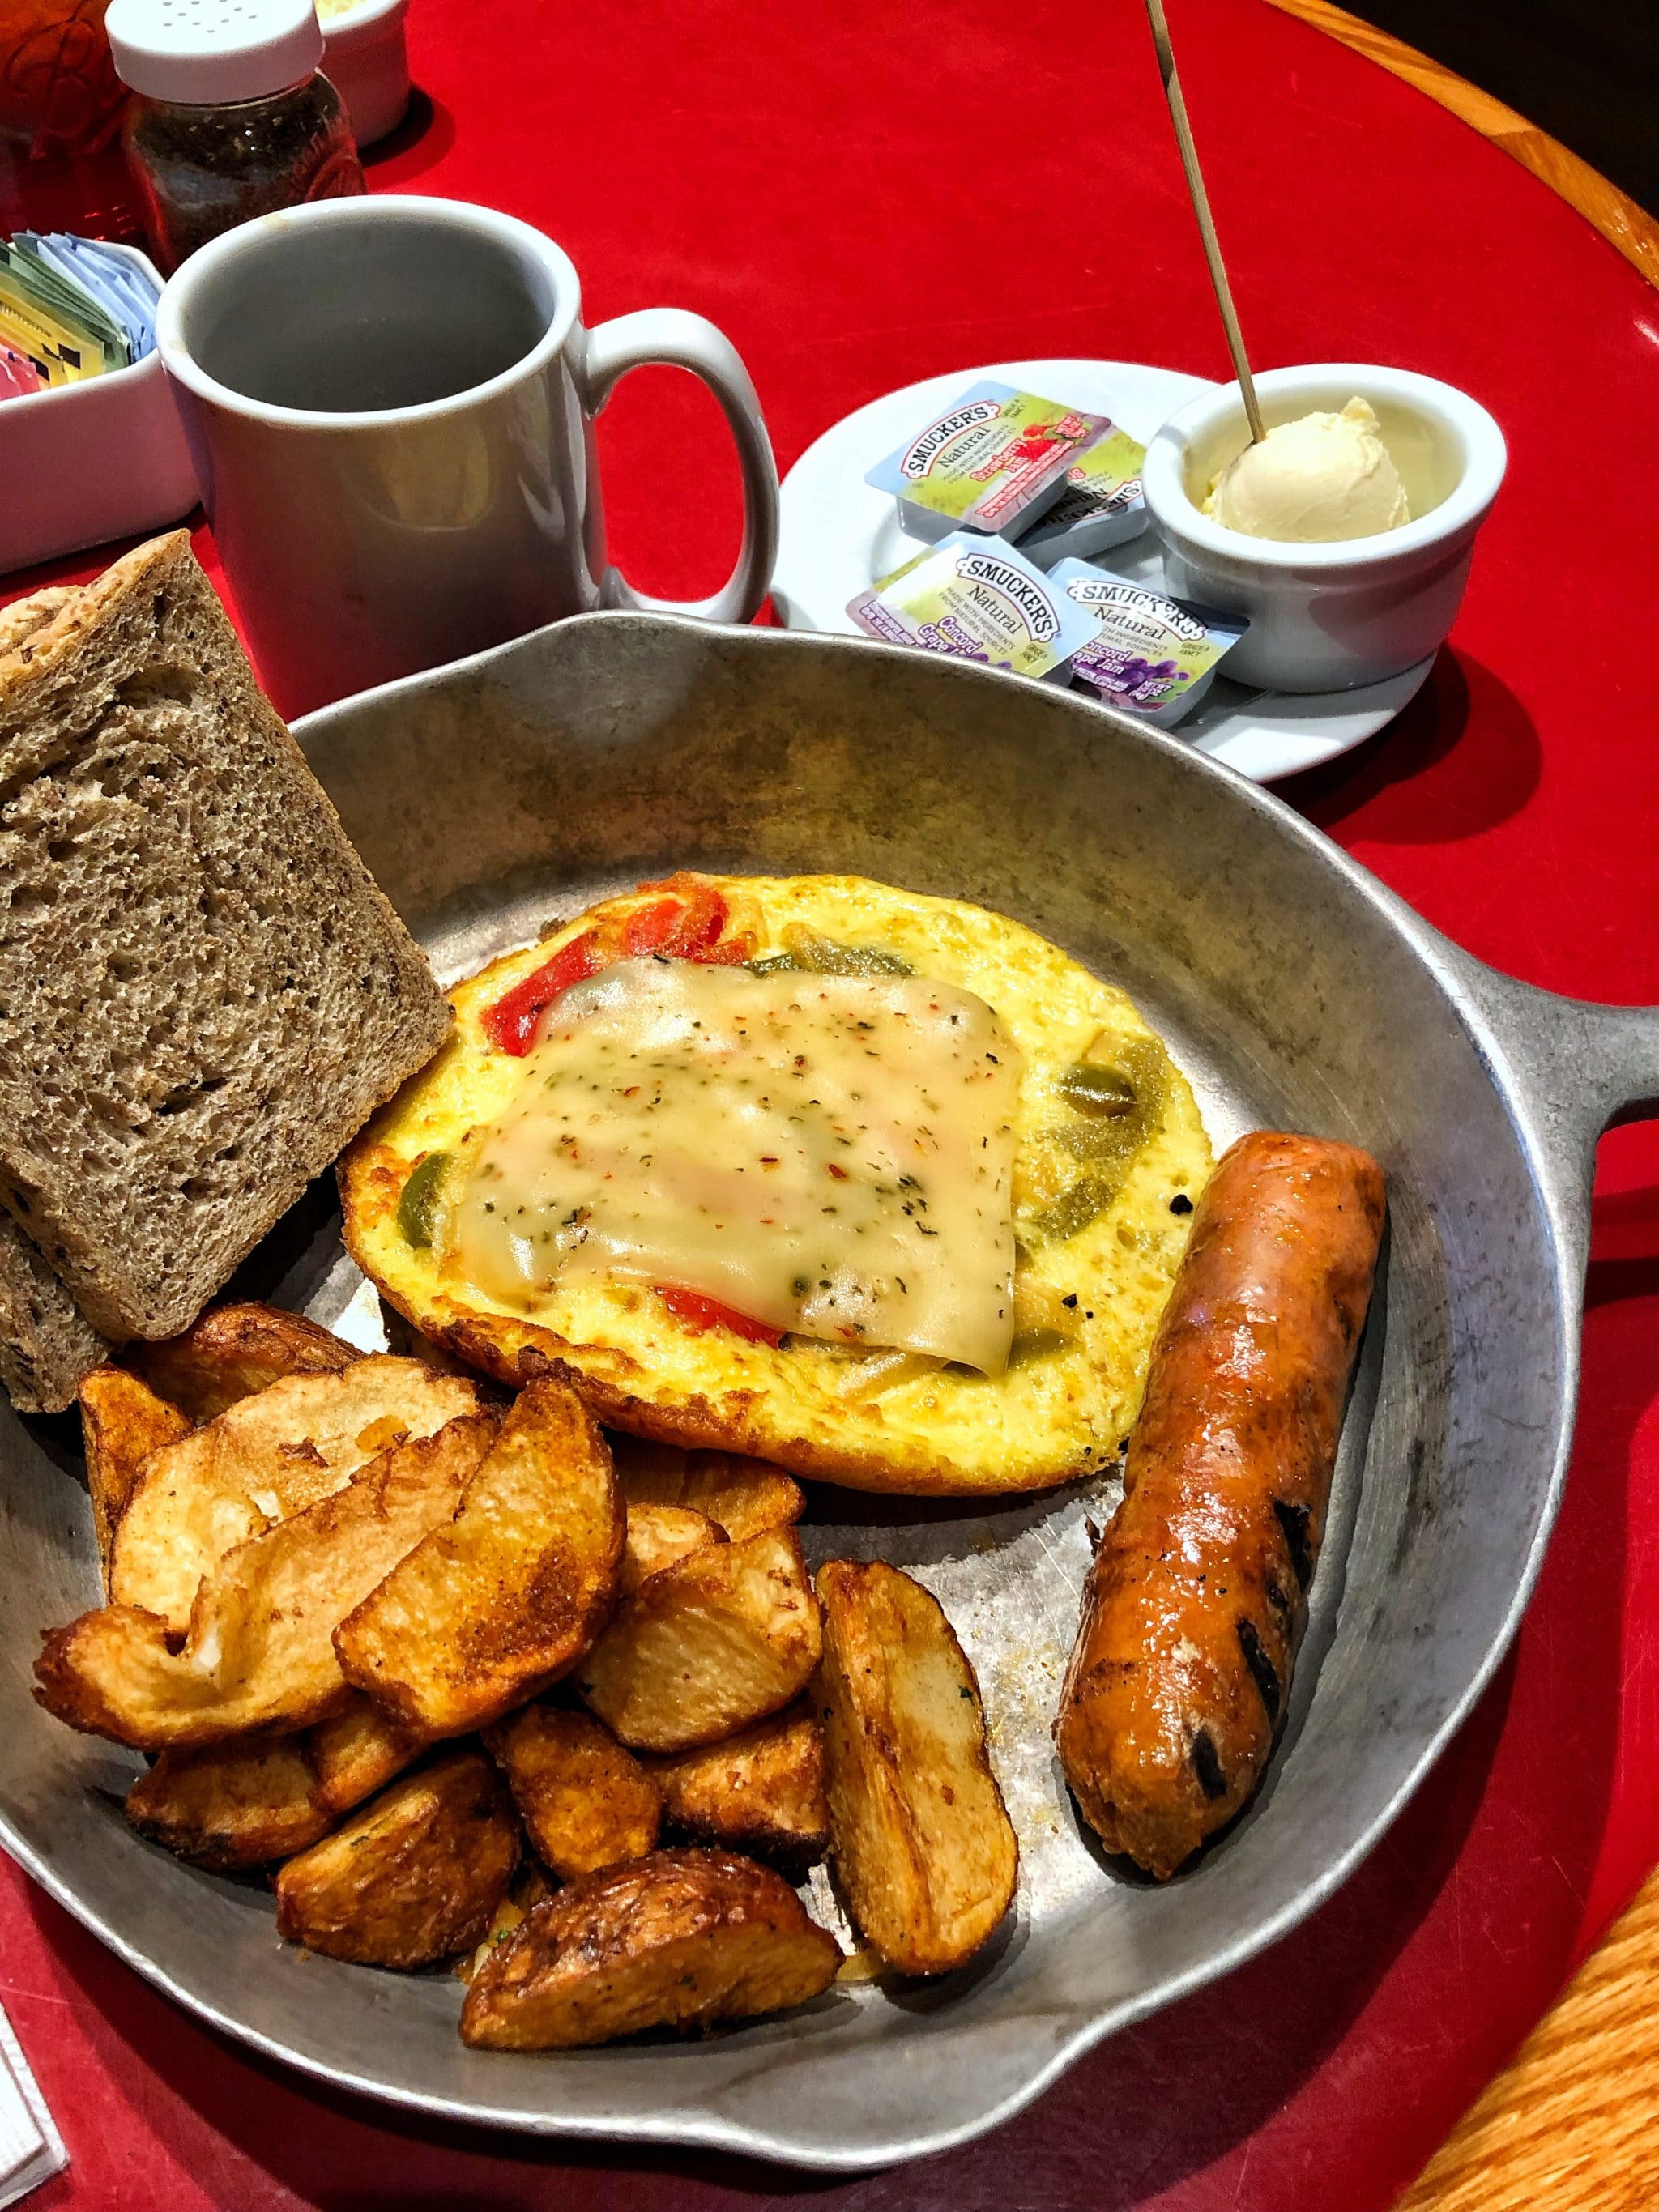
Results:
x,y
1149,654
993,462
977,599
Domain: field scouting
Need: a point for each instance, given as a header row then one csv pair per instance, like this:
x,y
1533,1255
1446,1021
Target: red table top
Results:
x,y
863,196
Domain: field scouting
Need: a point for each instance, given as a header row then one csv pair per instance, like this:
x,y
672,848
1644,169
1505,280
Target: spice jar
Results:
x,y
232,117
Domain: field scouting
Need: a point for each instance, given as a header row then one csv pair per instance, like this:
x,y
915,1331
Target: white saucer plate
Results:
x,y
839,536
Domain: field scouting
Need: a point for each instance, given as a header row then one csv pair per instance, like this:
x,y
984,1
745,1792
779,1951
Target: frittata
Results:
x,y
884,1189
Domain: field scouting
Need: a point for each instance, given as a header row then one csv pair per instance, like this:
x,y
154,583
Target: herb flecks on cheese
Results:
x,y
829,1155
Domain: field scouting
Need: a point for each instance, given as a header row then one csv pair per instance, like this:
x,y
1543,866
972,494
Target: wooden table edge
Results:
x,y
1627,228
1571,2124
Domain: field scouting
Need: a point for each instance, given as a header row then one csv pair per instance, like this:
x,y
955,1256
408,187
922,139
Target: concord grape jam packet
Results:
x,y
1151,654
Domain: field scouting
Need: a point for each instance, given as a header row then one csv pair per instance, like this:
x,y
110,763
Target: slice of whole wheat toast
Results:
x,y
203,992
46,1343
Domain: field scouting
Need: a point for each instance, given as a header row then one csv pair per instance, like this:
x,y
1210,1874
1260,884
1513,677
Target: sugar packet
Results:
x,y
124,294
1100,505
19,377
52,322
976,598
1154,655
992,461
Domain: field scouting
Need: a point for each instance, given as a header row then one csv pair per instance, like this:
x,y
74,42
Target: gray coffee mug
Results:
x,y
390,403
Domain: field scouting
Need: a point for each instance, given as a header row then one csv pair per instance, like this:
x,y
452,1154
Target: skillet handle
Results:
x,y
1583,1067
1605,1057
1633,1032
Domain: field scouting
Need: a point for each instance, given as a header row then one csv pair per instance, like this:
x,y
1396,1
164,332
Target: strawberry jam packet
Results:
x,y
1100,504
1151,654
992,461
976,598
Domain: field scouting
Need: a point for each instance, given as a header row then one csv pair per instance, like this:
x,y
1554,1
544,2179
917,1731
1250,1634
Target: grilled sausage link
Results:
x,y
1197,1598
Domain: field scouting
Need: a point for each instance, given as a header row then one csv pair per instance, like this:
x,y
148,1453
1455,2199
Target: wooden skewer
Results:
x,y
1217,268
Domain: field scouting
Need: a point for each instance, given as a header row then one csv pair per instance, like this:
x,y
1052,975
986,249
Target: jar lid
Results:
x,y
204,53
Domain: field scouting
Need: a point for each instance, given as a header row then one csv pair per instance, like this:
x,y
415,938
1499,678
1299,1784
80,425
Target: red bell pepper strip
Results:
x,y
511,1021
700,1313
730,952
684,924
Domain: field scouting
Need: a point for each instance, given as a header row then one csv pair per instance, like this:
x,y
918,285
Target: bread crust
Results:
x,y
187,939
47,1346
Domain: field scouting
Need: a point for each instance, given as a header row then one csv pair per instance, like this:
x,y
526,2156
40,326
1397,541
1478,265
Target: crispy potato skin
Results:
x,y
585,1802
659,1534
742,1496
415,1876
921,1838
260,1653
265,1459
233,1352
252,1799
723,1637
528,1888
494,1605
1196,1600
356,1751
122,1422
760,1791
255,1798
681,1939
231,1805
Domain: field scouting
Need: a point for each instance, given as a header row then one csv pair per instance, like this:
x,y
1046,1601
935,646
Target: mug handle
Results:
x,y
655,336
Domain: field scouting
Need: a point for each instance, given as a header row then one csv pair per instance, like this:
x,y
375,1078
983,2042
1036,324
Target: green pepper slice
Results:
x,y
418,1205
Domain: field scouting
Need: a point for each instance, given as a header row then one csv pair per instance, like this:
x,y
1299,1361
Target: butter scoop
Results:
x,y
1318,480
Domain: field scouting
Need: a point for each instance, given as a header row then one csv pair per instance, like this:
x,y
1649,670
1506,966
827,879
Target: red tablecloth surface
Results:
x,y
865,195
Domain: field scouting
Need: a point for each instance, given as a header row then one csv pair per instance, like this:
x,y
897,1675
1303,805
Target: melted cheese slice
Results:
x,y
827,1154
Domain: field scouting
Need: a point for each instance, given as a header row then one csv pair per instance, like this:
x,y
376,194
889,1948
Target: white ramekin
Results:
x,y
1328,617
86,462
366,59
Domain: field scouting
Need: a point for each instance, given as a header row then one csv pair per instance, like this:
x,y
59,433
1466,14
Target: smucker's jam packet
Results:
x,y
992,461
975,598
1100,505
1151,654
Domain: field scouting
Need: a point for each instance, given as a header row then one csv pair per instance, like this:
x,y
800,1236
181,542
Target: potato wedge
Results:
x,y
231,1805
260,1651
760,1791
659,1534
529,1886
681,1939
920,1837
743,1495
356,1751
585,1802
233,1352
122,1423
723,1637
416,1875
502,1602
252,1799
265,1458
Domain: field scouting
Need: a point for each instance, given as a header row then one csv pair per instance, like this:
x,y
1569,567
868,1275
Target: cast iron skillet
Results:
x,y
1296,991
